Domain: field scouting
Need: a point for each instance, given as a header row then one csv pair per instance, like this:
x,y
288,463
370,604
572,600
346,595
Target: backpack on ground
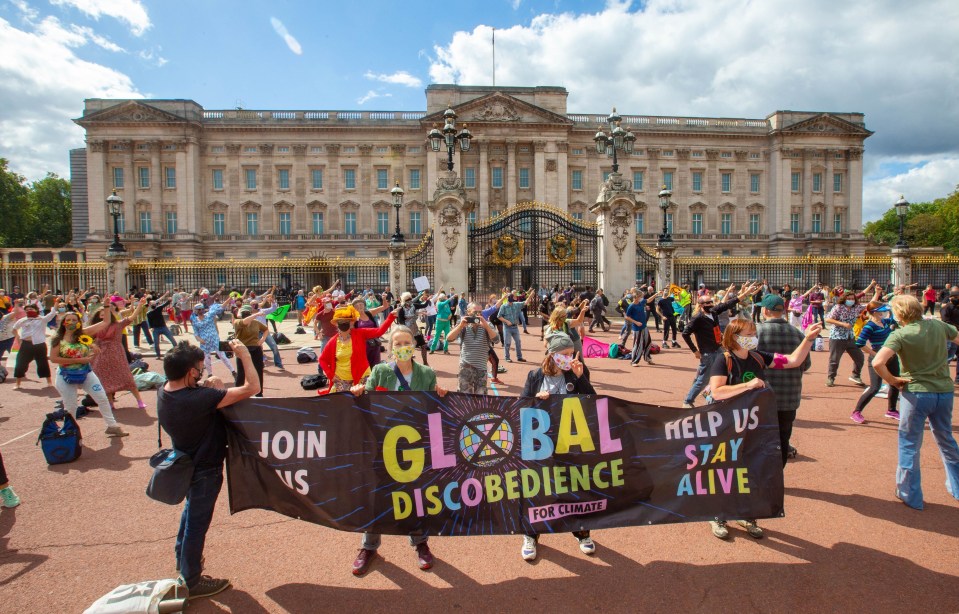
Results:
x,y
281,339
175,330
614,350
60,443
305,355
148,380
150,597
299,331
139,366
314,382
655,349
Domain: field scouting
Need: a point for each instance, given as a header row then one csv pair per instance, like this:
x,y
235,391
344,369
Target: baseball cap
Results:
x,y
772,302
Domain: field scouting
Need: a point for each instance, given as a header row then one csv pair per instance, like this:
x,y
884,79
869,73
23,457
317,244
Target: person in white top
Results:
x,y
32,331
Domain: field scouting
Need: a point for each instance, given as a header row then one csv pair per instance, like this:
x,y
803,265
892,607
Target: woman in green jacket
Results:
x,y
399,374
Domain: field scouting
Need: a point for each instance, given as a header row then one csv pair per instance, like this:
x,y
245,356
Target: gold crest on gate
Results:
x,y
561,250
508,250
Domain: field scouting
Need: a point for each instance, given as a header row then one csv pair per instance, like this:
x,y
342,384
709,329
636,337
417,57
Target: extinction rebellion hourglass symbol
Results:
x,y
486,440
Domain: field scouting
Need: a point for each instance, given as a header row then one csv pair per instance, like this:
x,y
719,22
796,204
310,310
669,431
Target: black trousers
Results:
x,y
669,322
32,352
875,383
256,355
3,473
786,419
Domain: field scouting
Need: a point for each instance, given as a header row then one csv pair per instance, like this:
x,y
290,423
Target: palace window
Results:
x,y
252,224
349,178
524,178
471,218
817,182
754,223
727,181
577,180
283,179
414,179
794,223
251,179
382,222
316,178
796,180
170,177
218,179
415,223
726,223
697,181
469,177
638,181
317,222
726,154
349,223
286,226
837,223
578,216
382,179
639,223
837,182
118,177
697,223
143,175
497,177
669,223
145,224
219,224
668,180
754,183
171,222
817,222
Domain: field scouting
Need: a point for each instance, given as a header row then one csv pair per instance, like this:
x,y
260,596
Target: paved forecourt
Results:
x,y
845,545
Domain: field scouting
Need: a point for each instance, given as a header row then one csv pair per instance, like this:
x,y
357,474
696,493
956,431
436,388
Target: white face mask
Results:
x,y
748,343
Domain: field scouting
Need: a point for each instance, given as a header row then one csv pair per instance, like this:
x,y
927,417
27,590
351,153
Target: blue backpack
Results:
x,y
60,444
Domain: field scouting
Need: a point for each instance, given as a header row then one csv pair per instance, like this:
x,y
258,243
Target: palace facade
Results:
x,y
203,184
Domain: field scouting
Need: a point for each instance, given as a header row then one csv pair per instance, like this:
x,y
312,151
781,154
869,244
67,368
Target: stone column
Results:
x,y
664,264
614,210
854,201
539,171
398,283
901,266
562,177
483,179
118,265
511,173
450,244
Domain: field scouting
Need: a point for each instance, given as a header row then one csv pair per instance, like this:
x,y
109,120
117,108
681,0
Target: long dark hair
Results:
x,y
62,329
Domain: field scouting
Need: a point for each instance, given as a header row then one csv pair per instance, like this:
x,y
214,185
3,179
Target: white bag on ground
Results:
x,y
150,597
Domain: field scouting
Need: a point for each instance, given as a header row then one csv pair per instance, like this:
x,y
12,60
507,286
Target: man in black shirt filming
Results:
x,y
188,412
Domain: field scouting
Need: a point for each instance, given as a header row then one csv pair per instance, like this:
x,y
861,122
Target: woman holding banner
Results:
x,y
741,368
399,375
560,373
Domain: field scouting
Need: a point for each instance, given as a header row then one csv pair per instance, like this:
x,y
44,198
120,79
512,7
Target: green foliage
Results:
x,y
934,224
34,215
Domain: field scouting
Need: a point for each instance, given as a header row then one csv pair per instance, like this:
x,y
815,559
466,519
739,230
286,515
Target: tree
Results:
x,y
934,224
52,208
17,226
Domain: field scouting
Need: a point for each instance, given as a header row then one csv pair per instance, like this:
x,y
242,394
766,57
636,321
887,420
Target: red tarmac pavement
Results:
x,y
845,545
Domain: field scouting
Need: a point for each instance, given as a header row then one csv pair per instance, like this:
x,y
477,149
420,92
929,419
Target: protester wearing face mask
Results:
x,y
740,368
478,336
841,338
561,373
666,307
189,413
950,315
73,350
31,329
871,339
6,328
704,326
400,374
110,363
406,316
344,360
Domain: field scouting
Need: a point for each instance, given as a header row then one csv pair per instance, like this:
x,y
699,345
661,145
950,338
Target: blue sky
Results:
x,y
736,58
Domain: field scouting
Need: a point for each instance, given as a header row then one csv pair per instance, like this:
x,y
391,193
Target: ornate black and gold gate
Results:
x,y
419,261
532,244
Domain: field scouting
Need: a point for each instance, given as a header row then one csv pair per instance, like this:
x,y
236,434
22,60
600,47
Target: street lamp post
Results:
x,y
902,207
114,203
397,194
618,139
450,137
664,195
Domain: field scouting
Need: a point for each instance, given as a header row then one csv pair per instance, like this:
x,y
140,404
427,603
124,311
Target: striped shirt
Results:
x,y
874,334
475,351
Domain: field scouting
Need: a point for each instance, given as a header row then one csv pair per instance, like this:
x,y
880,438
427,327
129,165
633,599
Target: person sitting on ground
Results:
x,y
740,368
400,374
560,373
188,412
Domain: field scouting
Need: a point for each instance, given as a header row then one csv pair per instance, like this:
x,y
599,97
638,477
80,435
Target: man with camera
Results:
x,y
478,334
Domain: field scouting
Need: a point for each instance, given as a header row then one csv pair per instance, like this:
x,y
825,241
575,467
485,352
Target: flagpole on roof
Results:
x,y
494,57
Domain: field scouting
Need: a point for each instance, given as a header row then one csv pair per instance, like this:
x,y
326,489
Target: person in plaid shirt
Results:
x,y
777,336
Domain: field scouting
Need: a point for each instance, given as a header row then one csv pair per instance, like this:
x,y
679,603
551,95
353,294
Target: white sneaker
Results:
x,y
587,545
529,548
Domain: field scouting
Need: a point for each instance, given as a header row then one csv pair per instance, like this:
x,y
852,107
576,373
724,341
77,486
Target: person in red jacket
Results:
x,y
343,360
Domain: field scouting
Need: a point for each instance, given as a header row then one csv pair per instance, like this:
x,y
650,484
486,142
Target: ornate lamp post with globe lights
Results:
x,y
397,194
618,139
450,137
114,203
901,258
664,245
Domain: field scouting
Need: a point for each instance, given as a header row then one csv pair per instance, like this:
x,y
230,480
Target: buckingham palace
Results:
x,y
201,184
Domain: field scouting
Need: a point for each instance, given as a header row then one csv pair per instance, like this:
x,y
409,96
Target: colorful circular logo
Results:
x,y
486,440
748,376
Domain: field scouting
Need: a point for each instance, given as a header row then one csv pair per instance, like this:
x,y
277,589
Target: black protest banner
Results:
x,y
412,462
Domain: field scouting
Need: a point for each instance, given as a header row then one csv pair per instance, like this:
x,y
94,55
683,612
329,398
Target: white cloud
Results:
x,y
42,87
925,182
400,77
371,95
153,56
130,11
291,42
740,59
516,4
29,13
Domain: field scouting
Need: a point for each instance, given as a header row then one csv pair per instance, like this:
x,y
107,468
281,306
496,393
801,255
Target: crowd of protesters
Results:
x,y
369,341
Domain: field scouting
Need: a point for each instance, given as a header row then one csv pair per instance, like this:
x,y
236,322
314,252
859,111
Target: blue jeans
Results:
x,y
142,326
195,521
510,333
702,377
914,409
157,332
271,343
430,323
522,321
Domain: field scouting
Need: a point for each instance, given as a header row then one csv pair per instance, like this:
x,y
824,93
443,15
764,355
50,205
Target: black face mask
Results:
x,y
706,308
954,300
343,326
